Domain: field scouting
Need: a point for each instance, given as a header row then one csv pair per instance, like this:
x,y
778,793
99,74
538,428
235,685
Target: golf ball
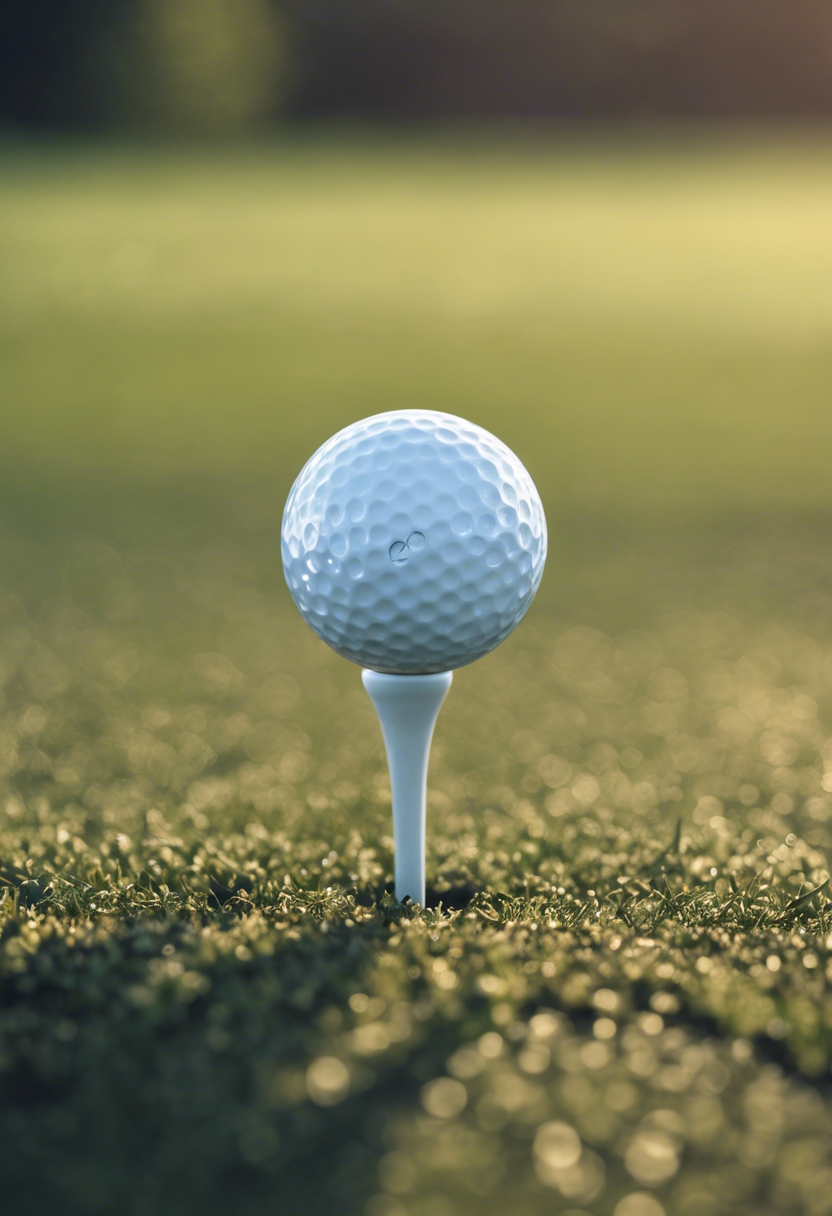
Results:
x,y
413,542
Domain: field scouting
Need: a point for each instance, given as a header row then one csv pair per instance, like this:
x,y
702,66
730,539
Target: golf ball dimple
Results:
x,y
413,542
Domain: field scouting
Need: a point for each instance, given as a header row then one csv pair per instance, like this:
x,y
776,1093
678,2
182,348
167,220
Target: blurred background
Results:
x,y
229,227
600,229
216,66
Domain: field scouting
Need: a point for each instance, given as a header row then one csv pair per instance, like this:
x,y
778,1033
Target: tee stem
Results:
x,y
407,708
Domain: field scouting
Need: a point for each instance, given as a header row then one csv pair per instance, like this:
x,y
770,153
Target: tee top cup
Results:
x,y
413,543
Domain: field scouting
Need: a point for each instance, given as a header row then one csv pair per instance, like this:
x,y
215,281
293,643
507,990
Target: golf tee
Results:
x,y
407,708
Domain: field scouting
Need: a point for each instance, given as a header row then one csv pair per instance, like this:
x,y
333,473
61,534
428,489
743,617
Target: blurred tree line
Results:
x,y
217,66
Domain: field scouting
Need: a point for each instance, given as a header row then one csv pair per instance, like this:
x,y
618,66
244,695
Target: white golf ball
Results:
x,y
413,542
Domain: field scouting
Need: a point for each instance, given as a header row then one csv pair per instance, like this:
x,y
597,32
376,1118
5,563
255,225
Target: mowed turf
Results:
x,y
617,1003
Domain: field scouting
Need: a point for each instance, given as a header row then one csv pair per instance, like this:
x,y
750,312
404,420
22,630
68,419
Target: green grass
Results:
x,y
618,1002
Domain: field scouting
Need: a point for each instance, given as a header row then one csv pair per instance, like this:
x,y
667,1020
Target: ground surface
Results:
x,y
619,999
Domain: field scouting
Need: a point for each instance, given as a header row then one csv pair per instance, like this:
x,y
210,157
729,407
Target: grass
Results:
x,y
618,1001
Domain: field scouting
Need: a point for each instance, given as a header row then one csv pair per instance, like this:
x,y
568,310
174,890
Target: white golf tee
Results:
x,y
407,708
